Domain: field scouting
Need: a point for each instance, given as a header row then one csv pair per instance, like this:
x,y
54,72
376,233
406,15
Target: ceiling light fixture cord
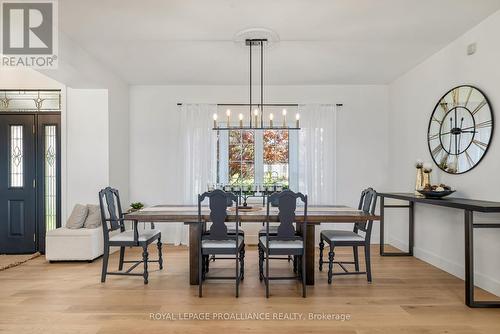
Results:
x,y
250,104
262,83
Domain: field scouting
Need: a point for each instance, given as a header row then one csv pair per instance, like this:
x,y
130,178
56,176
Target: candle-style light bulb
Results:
x,y
284,117
297,118
215,120
271,117
228,114
256,117
240,116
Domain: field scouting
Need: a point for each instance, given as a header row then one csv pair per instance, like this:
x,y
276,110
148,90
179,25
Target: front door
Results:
x,y
17,184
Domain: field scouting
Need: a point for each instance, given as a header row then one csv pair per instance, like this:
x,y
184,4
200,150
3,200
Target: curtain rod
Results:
x,y
265,104
30,90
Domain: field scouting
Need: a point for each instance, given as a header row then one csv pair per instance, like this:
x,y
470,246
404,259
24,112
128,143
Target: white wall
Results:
x,y
87,163
362,158
23,78
439,232
78,69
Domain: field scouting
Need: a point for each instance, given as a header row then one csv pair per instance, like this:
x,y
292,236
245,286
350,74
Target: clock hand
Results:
x,y
460,136
456,138
466,130
451,126
483,124
447,133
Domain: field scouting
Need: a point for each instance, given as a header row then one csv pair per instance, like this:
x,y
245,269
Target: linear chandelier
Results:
x,y
255,119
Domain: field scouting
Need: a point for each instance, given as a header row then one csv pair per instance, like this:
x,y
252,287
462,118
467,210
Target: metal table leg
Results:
x,y
469,262
411,228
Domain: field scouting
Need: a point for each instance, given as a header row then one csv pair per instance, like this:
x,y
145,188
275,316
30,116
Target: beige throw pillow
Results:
x,y
94,217
77,217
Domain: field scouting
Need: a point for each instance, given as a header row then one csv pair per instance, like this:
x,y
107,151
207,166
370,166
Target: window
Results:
x,y
276,156
30,101
241,157
256,157
16,156
50,191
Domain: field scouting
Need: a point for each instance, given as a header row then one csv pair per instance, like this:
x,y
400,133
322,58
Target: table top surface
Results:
x,y
189,213
451,202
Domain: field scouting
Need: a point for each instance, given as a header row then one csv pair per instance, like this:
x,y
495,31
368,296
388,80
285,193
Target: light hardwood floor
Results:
x,y
9,261
407,296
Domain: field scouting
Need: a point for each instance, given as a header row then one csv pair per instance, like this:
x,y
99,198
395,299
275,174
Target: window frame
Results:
x,y
223,156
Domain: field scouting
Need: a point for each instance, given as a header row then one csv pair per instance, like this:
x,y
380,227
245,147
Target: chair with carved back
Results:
x,y
273,230
231,230
286,241
354,239
217,240
113,219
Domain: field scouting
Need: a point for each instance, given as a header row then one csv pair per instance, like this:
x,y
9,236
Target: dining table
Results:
x,y
188,214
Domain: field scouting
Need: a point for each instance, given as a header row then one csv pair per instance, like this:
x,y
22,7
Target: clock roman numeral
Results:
x,y
444,105
455,95
469,159
437,150
444,159
480,144
479,106
434,136
484,124
468,97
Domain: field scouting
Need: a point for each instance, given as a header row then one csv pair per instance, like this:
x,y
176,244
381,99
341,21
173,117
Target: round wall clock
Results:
x,y
460,129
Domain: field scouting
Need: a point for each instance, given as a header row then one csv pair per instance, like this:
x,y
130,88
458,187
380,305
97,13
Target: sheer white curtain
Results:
x,y
316,154
196,158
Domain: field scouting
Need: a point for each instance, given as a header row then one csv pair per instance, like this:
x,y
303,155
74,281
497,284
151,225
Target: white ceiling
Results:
x,y
190,42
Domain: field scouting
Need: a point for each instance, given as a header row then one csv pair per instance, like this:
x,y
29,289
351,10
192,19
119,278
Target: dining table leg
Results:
x,y
310,253
194,248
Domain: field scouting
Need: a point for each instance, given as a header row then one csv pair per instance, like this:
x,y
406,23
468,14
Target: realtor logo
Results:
x,y
29,33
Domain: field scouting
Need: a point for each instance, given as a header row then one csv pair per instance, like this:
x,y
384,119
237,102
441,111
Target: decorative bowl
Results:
x,y
436,194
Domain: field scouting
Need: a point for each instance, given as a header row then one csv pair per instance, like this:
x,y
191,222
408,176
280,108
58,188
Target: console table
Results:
x,y
469,206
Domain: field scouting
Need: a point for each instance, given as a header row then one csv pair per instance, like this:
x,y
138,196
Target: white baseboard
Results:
x,y
485,282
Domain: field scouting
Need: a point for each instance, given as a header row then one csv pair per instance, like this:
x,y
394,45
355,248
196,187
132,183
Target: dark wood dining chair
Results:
x,y
273,231
230,230
217,240
273,228
354,239
116,235
286,241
